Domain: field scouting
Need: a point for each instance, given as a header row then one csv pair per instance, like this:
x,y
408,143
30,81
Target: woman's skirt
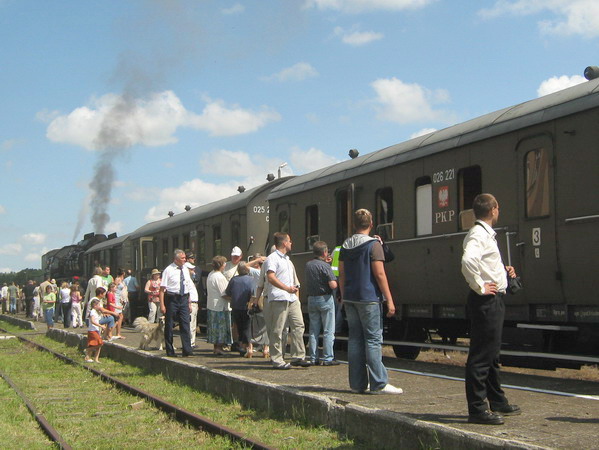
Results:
x,y
219,327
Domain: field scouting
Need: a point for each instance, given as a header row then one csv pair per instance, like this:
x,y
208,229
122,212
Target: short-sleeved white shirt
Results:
x,y
95,315
284,270
171,278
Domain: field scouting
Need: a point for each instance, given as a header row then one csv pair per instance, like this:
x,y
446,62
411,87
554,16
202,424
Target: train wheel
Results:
x,y
404,332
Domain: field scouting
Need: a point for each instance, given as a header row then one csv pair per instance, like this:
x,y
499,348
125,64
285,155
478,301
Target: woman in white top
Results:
x,y
65,304
219,310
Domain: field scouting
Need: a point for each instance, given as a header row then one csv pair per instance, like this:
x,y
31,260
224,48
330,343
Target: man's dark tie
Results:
x,y
182,283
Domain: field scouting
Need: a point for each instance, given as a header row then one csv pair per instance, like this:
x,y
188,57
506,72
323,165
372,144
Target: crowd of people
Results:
x,y
254,306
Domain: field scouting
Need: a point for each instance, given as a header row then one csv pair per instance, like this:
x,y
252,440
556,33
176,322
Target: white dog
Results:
x,y
150,332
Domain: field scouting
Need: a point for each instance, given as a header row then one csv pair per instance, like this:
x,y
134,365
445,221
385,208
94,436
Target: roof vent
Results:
x,y
591,72
187,207
241,189
353,153
270,177
171,214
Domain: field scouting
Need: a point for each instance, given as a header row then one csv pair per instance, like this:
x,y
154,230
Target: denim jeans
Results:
x,y
365,357
49,316
13,305
321,310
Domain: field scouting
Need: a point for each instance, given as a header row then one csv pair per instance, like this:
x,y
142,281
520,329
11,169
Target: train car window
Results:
x,y
312,235
424,206
175,242
201,247
342,212
284,222
235,233
186,242
537,183
384,213
469,186
217,239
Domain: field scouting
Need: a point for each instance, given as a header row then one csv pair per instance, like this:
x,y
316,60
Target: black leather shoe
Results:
x,y
188,355
171,355
507,410
300,363
486,418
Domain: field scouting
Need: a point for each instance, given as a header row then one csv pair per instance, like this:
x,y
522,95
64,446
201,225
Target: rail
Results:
x,y
180,414
48,429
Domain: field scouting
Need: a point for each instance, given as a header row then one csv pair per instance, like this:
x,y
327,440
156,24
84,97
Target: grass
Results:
x,y
284,434
89,413
17,423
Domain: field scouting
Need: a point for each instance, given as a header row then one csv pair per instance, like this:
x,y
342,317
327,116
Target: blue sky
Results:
x,y
168,103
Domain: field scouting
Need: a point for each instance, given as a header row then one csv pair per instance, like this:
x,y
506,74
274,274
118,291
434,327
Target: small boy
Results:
x,y
94,340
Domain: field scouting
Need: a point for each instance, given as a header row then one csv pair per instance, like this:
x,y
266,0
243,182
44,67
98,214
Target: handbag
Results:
x,y
514,284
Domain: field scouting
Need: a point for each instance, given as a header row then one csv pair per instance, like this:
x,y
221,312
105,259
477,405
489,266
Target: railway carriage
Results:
x,y
540,159
208,230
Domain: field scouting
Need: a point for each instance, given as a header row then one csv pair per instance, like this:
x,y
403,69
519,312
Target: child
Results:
x,y
48,306
108,317
94,341
37,311
114,305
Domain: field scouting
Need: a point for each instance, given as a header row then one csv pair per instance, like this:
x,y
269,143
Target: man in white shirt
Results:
x,y
284,305
485,273
175,303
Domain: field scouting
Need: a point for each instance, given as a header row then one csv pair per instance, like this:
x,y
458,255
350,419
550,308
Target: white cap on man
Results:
x,y
236,251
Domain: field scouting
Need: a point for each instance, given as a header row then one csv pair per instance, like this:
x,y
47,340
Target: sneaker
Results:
x,y
284,366
389,389
301,363
332,362
89,360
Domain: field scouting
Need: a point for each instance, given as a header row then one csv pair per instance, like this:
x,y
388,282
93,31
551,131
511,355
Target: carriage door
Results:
x,y
536,239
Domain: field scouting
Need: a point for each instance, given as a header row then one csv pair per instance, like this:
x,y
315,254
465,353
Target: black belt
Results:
x,y
172,294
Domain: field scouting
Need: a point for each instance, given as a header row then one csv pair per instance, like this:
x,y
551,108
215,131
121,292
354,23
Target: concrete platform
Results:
x,y
430,414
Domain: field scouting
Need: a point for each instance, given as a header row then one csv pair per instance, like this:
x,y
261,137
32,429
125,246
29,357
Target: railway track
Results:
x,y
55,392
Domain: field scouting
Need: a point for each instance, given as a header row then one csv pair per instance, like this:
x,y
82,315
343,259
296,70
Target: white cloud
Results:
x,y
311,159
6,270
237,8
555,84
422,132
220,120
2,209
229,163
8,144
33,257
11,249
113,121
357,38
357,6
198,192
195,192
572,17
408,103
297,72
114,227
34,238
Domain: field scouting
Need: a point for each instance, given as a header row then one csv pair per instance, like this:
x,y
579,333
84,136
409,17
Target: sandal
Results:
x,y
266,355
248,354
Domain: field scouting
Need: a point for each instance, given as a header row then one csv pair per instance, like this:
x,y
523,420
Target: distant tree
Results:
x,y
22,276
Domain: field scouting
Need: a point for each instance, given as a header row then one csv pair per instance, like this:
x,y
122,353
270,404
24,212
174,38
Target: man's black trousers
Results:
x,y
482,368
177,307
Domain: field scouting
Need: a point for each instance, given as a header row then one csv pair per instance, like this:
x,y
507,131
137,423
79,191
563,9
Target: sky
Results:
x,y
114,113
